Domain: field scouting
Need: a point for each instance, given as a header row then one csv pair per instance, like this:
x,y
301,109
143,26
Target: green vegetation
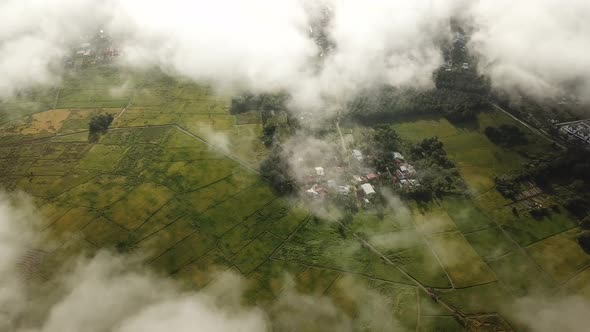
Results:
x,y
155,183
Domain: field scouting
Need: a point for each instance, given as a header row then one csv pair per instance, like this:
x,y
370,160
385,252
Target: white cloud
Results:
x,y
537,46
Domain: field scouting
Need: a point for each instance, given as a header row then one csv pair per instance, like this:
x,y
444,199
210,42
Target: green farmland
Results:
x,y
175,180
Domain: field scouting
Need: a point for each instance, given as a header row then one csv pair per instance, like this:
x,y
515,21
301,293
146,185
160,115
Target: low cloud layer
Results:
x,y
536,46
262,45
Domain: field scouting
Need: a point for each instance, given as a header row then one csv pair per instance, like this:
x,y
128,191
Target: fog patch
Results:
x,y
545,314
537,47
218,140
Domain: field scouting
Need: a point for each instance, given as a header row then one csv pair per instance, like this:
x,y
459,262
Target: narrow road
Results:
x,y
341,136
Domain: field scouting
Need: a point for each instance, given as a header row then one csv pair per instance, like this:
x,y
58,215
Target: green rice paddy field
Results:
x,y
160,184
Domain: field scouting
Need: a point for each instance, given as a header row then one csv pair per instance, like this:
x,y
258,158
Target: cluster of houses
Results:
x,y
405,173
577,130
337,180
100,49
322,181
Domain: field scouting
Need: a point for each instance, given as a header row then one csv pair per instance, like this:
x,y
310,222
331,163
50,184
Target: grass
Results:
x,y
490,297
420,129
52,211
194,212
98,193
256,252
490,243
465,269
316,281
166,238
319,243
183,253
182,176
102,157
526,230
171,212
72,221
198,273
432,218
234,210
49,186
466,215
421,264
521,275
477,158
439,323
252,227
285,225
270,278
104,233
376,305
135,208
560,255
580,284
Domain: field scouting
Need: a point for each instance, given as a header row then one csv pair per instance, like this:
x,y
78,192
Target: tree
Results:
x,y
584,241
506,135
507,186
277,171
341,231
99,125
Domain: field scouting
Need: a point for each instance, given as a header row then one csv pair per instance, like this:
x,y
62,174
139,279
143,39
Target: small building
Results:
x,y
414,182
372,176
357,154
311,192
344,190
368,189
320,171
357,179
465,66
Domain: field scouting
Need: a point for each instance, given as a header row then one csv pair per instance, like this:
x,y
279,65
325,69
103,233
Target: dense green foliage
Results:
x,y
436,173
384,142
277,171
390,103
99,125
261,102
506,135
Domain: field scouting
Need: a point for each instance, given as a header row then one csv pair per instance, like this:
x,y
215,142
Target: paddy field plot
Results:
x,y
560,256
465,267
